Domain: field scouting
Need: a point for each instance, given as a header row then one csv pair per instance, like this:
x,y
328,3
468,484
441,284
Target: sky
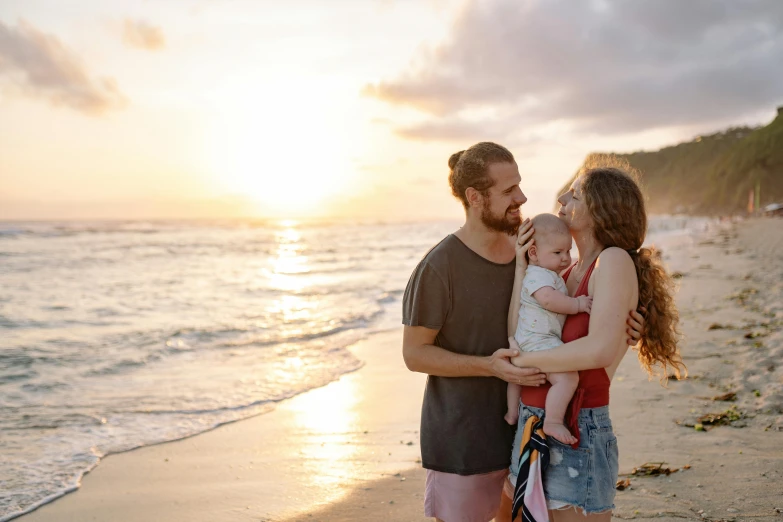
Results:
x,y
351,108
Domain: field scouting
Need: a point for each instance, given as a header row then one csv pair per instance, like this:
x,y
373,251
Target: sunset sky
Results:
x,y
158,109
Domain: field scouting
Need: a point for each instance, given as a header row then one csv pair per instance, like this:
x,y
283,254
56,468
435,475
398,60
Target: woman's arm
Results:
x,y
616,288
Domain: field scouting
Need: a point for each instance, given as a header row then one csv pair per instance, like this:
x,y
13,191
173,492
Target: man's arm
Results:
x,y
516,297
421,355
522,245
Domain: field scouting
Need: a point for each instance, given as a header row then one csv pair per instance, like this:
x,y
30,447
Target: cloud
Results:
x,y
607,66
142,35
38,65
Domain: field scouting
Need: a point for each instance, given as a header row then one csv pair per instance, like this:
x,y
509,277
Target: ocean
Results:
x,y
116,335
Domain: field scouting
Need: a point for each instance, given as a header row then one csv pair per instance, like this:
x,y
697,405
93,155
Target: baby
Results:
x,y
544,303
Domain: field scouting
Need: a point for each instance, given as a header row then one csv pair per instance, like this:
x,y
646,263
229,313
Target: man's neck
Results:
x,y
495,246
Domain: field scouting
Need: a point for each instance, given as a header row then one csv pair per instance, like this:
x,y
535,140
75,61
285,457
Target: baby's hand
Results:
x,y
585,303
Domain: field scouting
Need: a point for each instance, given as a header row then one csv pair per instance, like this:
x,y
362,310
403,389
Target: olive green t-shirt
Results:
x,y
466,298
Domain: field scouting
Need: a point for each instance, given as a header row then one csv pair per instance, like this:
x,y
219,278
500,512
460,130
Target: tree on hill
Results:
x,y
711,174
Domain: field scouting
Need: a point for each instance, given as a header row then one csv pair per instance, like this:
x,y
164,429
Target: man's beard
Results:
x,y
499,224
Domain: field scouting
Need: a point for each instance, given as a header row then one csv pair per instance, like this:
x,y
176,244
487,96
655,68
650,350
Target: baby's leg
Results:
x,y
563,386
512,394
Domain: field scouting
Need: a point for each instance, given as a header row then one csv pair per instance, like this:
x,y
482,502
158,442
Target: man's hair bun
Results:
x,y
454,159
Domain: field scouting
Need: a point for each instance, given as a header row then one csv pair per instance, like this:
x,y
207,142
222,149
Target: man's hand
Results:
x,y
635,322
502,368
524,242
585,303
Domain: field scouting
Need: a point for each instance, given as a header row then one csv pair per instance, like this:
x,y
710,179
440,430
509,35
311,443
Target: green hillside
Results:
x,y
712,174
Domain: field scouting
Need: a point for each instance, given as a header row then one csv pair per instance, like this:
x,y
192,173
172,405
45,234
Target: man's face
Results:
x,y
501,206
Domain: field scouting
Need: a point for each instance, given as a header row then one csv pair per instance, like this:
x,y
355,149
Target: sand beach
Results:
x,y
349,450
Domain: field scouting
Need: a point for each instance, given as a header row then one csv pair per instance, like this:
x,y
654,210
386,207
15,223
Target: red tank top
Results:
x,y
593,389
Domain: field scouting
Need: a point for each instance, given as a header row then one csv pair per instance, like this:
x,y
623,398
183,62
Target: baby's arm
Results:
x,y
558,302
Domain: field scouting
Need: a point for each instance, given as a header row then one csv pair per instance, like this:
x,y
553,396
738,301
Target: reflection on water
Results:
x,y
287,261
168,329
329,417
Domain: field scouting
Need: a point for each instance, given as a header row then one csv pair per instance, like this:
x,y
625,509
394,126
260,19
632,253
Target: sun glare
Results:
x,y
286,152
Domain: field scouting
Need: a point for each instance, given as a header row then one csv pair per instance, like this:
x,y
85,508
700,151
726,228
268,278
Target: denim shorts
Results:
x,y
585,477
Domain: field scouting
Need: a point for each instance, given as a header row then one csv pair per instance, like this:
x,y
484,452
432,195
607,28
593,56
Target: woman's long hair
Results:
x,y
616,205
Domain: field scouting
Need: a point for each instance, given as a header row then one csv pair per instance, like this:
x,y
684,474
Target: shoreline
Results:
x,y
341,452
309,452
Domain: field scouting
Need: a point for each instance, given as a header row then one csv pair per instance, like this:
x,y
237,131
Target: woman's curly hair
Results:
x,y
616,205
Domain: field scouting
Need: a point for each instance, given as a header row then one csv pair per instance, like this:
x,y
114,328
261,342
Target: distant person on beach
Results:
x,y
456,312
604,210
542,301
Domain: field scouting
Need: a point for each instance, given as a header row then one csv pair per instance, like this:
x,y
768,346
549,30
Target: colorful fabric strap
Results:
x,y
533,460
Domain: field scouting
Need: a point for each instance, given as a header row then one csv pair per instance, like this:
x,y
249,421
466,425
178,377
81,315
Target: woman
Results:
x,y
604,210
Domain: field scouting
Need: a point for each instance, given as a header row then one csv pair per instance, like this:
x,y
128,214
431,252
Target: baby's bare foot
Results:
x,y
559,432
512,417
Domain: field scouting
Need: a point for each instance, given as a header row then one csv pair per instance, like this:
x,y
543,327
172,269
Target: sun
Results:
x,y
286,154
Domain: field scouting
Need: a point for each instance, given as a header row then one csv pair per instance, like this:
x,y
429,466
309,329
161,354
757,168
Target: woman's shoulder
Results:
x,y
615,262
614,256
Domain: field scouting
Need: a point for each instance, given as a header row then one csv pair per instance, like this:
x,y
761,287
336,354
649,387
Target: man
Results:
x,y
455,312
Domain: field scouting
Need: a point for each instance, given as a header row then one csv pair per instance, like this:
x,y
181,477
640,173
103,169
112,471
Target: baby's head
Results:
x,y
552,248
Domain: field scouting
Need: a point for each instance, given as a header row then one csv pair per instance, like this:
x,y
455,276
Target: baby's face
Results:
x,y
553,252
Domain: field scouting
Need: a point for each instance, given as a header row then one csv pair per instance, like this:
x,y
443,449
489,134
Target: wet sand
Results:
x,y
349,450
311,452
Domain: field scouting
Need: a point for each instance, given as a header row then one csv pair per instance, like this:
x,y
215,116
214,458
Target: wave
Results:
x,y
219,416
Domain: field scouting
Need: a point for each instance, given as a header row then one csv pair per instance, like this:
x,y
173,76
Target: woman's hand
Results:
x,y
635,324
524,242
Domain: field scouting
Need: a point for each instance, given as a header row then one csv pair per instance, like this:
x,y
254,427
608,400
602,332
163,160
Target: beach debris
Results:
x,y
726,397
753,335
677,275
730,417
742,296
652,469
623,484
757,393
718,326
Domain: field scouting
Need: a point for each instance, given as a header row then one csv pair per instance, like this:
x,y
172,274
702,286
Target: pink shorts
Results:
x,y
463,498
